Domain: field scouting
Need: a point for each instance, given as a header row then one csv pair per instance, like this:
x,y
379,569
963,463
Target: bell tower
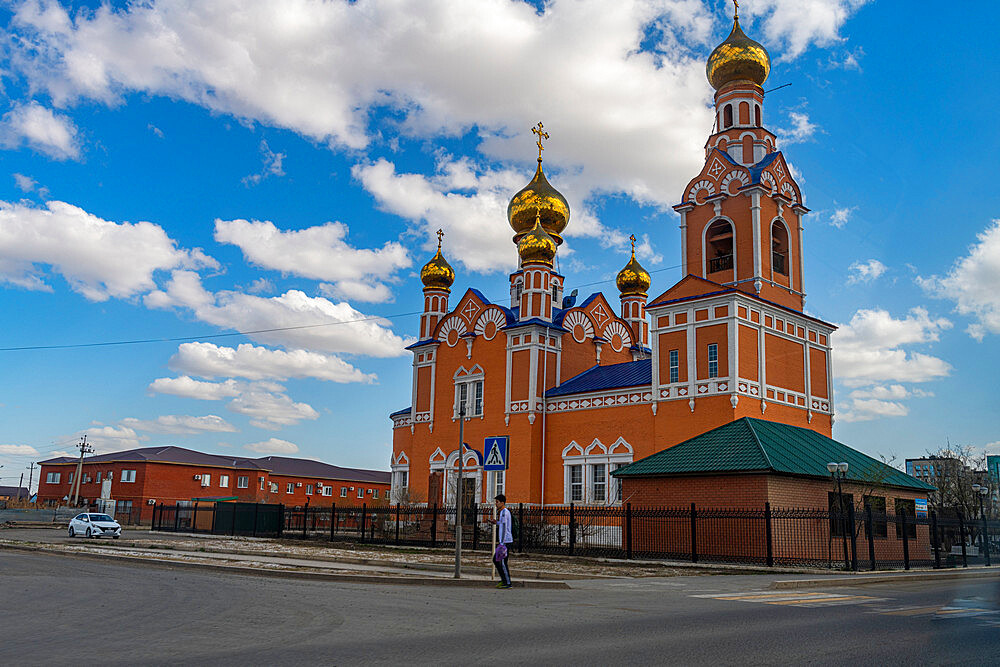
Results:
x,y
741,217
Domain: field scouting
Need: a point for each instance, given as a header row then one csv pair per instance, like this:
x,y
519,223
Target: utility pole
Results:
x,y
19,486
31,474
85,448
458,488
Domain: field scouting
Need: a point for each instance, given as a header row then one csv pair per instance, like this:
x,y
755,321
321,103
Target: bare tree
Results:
x,y
957,468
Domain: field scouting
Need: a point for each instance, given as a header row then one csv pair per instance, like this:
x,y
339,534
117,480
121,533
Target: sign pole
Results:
x,y
458,491
493,544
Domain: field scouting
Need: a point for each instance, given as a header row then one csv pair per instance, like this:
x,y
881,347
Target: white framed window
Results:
x,y
242,482
290,487
98,480
361,492
471,395
497,483
224,481
400,465
274,487
309,489
588,470
128,475
261,483
327,490
343,492
675,366
713,360
206,479
52,478
374,493
71,475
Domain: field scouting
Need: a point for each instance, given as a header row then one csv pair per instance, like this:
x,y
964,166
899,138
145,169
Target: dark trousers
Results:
x,y
502,568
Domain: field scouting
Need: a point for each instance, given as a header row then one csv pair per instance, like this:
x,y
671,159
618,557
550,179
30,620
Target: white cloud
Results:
x,y
181,424
99,258
865,272
18,450
894,392
260,286
187,387
25,183
155,130
840,216
273,446
272,165
271,410
799,23
320,253
860,410
801,129
107,439
45,131
259,363
870,349
973,283
318,324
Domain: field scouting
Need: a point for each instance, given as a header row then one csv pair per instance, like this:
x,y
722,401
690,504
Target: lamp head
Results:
x,y
975,487
984,490
831,467
842,467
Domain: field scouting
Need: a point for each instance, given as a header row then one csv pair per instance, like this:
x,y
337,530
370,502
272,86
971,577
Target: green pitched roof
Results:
x,y
750,444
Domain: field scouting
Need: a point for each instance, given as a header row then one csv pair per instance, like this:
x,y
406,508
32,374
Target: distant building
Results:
x,y
14,493
174,475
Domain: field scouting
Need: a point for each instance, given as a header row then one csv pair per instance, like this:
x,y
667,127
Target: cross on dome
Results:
x,y
537,130
440,235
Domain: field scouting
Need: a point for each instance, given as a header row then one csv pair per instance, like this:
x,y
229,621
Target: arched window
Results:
x,y
744,113
727,116
779,248
756,115
719,246
748,150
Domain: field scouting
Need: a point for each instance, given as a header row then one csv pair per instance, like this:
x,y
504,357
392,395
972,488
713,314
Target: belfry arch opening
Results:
x,y
719,247
727,116
779,248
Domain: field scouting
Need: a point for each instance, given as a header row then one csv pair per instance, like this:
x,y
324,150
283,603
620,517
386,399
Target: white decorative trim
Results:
x,y
617,328
789,191
401,421
437,458
579,318
606,399
453,323
735,174
494,315
698,187
767,177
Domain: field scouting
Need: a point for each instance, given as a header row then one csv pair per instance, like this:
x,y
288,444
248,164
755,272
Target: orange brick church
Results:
x,y
584,387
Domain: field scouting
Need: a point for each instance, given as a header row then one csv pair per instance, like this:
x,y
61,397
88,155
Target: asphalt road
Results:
x,y
61,610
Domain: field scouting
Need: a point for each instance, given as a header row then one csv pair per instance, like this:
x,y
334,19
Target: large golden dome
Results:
x,y
633,280
437,273
537,245
739,58
538,196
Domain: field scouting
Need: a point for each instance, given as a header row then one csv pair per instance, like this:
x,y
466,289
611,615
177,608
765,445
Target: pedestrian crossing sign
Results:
x,y
496,453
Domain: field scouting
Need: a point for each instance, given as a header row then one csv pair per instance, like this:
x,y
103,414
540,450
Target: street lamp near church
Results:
x,y
839,471
983,491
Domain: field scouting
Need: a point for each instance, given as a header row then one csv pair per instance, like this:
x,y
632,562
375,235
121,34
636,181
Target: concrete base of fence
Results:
x,y
883,578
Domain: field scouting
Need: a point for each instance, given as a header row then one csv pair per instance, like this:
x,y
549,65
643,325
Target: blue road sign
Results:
x,y
495,450
920,505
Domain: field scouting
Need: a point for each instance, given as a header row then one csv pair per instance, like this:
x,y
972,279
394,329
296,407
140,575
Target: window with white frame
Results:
x,y
128,475
374,493
399,490
224,481
343,492
470,394
71,475
361,492
588,471
242,482
497,483
290,487
274,487
328,491
309,489
675,366
206,480
52,478
98,480
713,360
261,483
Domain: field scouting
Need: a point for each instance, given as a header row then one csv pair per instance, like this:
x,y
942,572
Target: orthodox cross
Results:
x,y
736,9
632,239
440,235
541,135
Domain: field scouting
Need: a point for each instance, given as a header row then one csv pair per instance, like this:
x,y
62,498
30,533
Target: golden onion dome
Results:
x,y
633,280
537,246
538,196
739,58
437,273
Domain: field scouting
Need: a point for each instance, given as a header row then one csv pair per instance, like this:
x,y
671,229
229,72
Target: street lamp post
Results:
x,y
458,489
983,491
839,471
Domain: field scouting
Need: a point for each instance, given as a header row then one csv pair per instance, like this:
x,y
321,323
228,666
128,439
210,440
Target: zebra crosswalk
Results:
x,y
794,598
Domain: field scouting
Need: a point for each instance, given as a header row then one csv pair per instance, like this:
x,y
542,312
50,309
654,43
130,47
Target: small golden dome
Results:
x,y
537,246
437,273
739,58
633,280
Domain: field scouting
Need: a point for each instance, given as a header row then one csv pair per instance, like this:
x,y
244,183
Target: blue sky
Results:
x,y
184,170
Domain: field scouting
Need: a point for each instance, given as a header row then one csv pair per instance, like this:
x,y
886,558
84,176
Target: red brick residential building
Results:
x,y
172,475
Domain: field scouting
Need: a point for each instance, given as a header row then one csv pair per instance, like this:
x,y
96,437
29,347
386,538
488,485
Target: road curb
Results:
x,y
884,579
288,574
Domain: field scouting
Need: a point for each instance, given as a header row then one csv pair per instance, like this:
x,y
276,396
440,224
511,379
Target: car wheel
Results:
x,y
72,533
88,532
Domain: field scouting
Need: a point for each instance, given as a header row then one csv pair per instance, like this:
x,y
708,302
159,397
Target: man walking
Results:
x,y
505,539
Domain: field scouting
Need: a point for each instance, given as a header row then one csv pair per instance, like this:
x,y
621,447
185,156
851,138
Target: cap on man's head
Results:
x,y
501,497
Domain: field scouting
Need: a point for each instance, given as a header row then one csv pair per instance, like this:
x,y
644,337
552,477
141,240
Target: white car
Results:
x,y
94,525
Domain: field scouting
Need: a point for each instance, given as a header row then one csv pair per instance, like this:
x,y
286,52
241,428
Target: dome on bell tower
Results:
x,y
633,280
537,246
738,58
538,199
437,273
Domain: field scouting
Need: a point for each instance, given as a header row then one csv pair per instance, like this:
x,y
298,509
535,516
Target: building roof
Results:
x,y
756,445
612,376
17,492
279,465
399,413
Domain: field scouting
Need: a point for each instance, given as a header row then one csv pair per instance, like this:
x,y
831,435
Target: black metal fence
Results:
x,y
854,540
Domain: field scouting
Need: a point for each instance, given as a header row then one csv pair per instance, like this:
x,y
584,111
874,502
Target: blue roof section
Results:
x,y
421,343
535,320
612,376
479,295
757,169
589,300
404,411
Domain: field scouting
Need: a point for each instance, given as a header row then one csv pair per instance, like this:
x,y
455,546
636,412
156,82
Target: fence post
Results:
x,y
177,518
520,528
474,510
397,524
572,529
281,520
768,534
961,537
434,524
194,519
305,518
854,537
694,534
986,541
364,508
869,531
628,530
906,542
152,523
333,520
934,537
